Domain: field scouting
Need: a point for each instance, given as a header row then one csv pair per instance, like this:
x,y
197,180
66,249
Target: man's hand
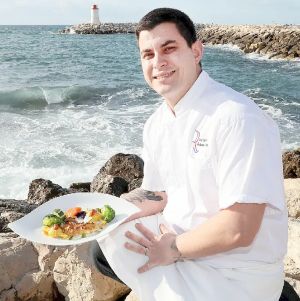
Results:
x,y
160,249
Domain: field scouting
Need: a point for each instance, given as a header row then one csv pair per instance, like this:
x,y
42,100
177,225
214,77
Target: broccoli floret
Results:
x,y
58,212
51,219
108,213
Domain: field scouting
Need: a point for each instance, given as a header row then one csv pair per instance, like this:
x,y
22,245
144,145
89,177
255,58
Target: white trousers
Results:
x,y
188,280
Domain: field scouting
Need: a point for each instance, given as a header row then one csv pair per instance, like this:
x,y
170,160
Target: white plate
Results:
x,y
30,226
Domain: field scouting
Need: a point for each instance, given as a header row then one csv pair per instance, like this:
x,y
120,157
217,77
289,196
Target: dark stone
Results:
x,y
126,166
41,191
291,164
120,169
11,210
288,293
110,185
80,187
135,183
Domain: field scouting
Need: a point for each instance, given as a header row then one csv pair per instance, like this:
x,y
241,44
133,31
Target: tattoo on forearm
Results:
x,y
141,195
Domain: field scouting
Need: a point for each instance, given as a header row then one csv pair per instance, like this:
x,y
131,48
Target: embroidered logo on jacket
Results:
x,y
198,141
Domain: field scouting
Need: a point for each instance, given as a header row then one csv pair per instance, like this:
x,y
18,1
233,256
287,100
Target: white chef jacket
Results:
x,y
216,149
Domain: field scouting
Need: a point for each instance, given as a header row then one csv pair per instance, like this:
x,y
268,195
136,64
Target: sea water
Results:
x,y
70,102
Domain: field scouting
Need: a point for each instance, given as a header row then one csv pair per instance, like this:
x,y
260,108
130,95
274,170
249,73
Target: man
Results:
x,y
213,163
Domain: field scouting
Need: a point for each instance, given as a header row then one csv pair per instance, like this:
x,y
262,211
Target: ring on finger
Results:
x,y
146,251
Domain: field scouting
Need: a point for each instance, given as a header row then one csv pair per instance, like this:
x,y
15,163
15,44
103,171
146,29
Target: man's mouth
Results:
x,y
164,75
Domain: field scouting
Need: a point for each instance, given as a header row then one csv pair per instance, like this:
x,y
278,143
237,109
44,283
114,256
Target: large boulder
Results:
x,y
41,191
126,166
292,259
110,185
291,164
292,196
21,278
11,210
80,187
78,279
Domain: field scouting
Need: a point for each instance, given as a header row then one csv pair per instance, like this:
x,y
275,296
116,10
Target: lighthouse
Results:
x,y
95,14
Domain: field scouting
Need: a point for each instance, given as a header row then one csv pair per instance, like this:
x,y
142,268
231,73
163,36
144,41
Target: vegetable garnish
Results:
x,y
76,222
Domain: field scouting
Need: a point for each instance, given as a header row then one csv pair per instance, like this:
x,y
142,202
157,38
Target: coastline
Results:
x,y
274,41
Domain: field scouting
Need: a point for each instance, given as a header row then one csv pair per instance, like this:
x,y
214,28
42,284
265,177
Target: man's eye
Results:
x,y
147,56
169,49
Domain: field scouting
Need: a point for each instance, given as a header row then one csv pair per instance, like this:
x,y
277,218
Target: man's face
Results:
x,y
169,65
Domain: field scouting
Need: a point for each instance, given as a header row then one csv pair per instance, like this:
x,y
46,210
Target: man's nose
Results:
x,y
159,61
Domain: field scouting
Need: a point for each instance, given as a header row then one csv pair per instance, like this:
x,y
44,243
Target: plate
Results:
x,y
30,226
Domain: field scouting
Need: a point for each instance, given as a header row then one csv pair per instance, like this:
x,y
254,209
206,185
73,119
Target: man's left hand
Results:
x,y
160,249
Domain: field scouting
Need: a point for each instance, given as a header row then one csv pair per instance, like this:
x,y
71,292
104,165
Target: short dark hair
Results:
x,y
157,16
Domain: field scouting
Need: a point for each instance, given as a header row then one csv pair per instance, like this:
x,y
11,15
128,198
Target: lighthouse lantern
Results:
x,y
95,14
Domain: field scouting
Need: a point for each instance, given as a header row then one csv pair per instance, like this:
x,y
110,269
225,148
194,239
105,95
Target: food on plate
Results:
x,y
76,222
108,213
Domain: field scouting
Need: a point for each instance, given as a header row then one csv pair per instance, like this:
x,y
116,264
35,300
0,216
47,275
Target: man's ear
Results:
x,y
197,48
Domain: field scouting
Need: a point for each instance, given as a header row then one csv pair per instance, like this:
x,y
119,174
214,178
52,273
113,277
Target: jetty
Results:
x,y
273,41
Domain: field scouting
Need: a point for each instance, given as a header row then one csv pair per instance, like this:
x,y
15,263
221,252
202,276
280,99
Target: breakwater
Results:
x,y
274,41
103,28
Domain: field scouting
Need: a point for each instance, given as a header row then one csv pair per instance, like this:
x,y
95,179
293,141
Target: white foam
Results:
x,y
254,55
53,95
227,47
274,112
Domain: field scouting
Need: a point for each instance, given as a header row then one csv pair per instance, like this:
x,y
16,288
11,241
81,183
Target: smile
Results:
x,y
164,75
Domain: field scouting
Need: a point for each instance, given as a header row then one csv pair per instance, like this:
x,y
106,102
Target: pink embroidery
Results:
x,y
196,142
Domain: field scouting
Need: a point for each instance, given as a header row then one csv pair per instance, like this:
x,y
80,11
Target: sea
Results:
x,y
70,102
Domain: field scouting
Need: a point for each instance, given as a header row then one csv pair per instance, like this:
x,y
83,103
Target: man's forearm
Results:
x,y
149,202
229,229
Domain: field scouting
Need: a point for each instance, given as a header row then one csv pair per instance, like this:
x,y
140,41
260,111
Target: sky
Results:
x,y
67,12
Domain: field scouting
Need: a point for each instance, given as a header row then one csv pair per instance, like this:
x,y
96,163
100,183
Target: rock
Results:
x,y
126,166
277,41
110,185
41,191
20,276
103,28
77,278
290,289
135,183
292,196
35,286
80,187
291,164
132,297
11,210
292,259
52,273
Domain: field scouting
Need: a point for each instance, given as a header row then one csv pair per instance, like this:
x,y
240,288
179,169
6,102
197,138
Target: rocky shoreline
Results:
x,y
68,273
273,41
103,28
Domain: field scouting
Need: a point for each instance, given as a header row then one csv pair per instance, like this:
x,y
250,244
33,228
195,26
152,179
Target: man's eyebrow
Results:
x,y
146,50
162,45
167,43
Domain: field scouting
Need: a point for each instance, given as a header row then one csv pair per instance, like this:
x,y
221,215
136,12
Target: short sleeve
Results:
x,y
249,165
152,180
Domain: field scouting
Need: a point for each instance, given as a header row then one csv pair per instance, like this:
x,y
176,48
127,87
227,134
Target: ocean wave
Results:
x,y
265,58
41,97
